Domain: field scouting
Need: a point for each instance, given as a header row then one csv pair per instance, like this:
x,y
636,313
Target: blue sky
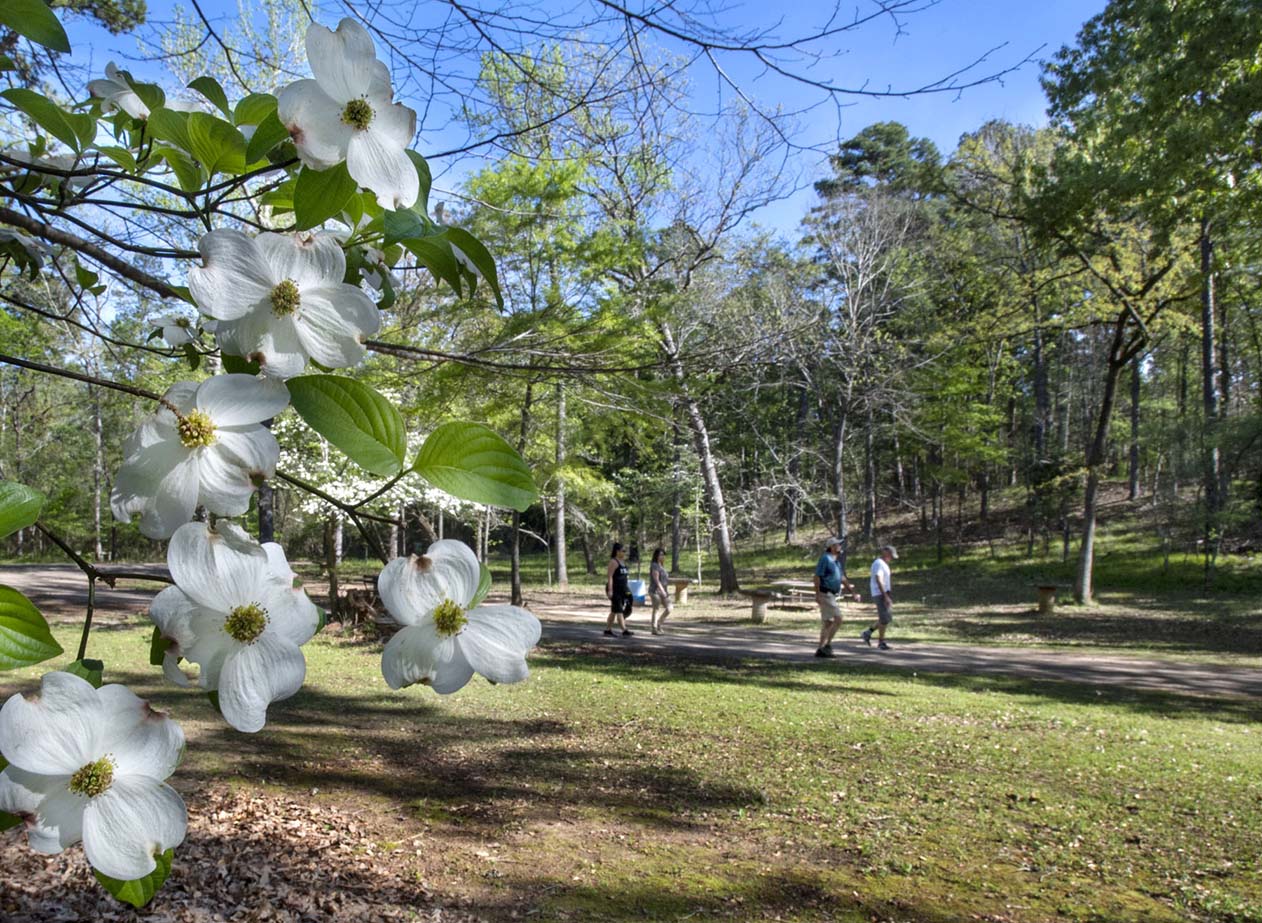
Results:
x,y
934,42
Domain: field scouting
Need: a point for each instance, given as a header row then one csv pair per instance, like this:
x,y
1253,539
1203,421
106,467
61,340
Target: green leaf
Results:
x,y
7,820
150,94
236,365
216,144
472,462
253,109
320,194
401,224
353,417
121,156
7,63
169,125
24,635
158,647
426,179
187,173
90,670
210,88
141,891
436,255
484,586
479,256
19,506
269,133
67,127
33,19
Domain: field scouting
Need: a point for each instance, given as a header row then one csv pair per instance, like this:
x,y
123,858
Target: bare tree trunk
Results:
x,y
1119,355
839,477
869,477
1133,473
558,528
1212,458
899,477
728,583
677,496
98,474
587,552
515,548
793,499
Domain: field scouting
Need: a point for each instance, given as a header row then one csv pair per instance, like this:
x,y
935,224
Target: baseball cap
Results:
x,y
892,550
834,541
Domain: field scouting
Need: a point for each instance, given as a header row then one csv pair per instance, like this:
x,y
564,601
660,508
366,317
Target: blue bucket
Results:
x,y
639,590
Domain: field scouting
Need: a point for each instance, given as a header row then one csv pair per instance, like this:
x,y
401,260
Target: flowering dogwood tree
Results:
x,y
273,302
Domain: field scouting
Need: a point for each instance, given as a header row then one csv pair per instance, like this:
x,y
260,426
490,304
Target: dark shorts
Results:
x,y
883,614
621,603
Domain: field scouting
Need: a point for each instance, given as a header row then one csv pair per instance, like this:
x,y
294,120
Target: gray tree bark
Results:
x,y
558,527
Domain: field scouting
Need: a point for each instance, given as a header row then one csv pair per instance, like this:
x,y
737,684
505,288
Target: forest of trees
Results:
x,y
1023,324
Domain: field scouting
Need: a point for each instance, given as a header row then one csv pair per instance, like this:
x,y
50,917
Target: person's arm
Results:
x,y
815,580
613,564
885,590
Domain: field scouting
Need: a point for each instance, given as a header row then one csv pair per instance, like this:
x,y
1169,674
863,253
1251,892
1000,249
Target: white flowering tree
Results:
x,y
301,204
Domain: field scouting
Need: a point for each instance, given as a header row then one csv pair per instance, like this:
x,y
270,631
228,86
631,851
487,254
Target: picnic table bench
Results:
x,y
798,588
1047,596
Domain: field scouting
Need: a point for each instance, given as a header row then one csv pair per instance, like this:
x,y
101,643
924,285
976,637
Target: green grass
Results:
x,y
612,788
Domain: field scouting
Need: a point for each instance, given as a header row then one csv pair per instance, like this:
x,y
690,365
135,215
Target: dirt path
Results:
x,y
61,590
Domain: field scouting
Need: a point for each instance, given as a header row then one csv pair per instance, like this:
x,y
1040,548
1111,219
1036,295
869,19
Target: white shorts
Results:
x,y
829,608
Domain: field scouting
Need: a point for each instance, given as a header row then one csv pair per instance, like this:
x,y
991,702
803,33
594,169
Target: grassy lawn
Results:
x,y
610,788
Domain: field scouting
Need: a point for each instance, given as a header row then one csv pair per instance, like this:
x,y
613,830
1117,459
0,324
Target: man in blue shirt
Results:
x,y
828,581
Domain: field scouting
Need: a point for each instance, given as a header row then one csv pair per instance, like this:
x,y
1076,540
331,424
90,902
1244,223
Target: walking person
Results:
x,y
659,590
879,584
827,581
618,591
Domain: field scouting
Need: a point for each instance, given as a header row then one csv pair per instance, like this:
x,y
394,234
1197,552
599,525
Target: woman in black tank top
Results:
x,y
617,590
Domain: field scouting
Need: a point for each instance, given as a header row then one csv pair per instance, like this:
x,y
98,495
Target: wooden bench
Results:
x,y
680,585
759,599
1047,596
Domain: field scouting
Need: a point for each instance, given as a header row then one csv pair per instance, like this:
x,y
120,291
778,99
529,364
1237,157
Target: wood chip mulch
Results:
x,y
247,857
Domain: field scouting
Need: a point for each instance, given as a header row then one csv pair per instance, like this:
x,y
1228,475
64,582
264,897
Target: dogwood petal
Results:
x,y
395,122
237,400
270,669
224,487
333,323
379,164
419,654
53,815
55,732
54,821
314,121
235,278
182,396
152,748
218,569
124,826
496,641
251,448
280,352
311,260
172,611
413,587
345,62
290,613
158,480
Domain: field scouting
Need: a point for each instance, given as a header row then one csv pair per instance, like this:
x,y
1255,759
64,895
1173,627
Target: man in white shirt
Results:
x,y
879,584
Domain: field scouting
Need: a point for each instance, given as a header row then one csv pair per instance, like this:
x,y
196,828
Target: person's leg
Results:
x,y
626,612
653,614
829,630
609,620
666,610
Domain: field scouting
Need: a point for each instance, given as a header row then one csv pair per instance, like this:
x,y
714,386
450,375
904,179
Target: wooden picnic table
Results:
x,y
798,588
680,585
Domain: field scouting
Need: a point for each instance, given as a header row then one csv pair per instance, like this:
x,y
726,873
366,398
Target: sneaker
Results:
x,y
824,652
829,647
627,634
609,632
882,646
867,636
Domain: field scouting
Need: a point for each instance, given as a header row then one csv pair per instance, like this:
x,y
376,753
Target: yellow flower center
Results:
x,y
246,623
449,618
94,778
358,114
196,429
285,298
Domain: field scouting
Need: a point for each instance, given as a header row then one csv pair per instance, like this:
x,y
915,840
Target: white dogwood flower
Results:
x,y
280,300
117,93
444,642
89,764
237,611
177,329
203,446
347,113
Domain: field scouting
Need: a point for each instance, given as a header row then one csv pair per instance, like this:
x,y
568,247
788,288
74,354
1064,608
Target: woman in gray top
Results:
x,y
659,590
